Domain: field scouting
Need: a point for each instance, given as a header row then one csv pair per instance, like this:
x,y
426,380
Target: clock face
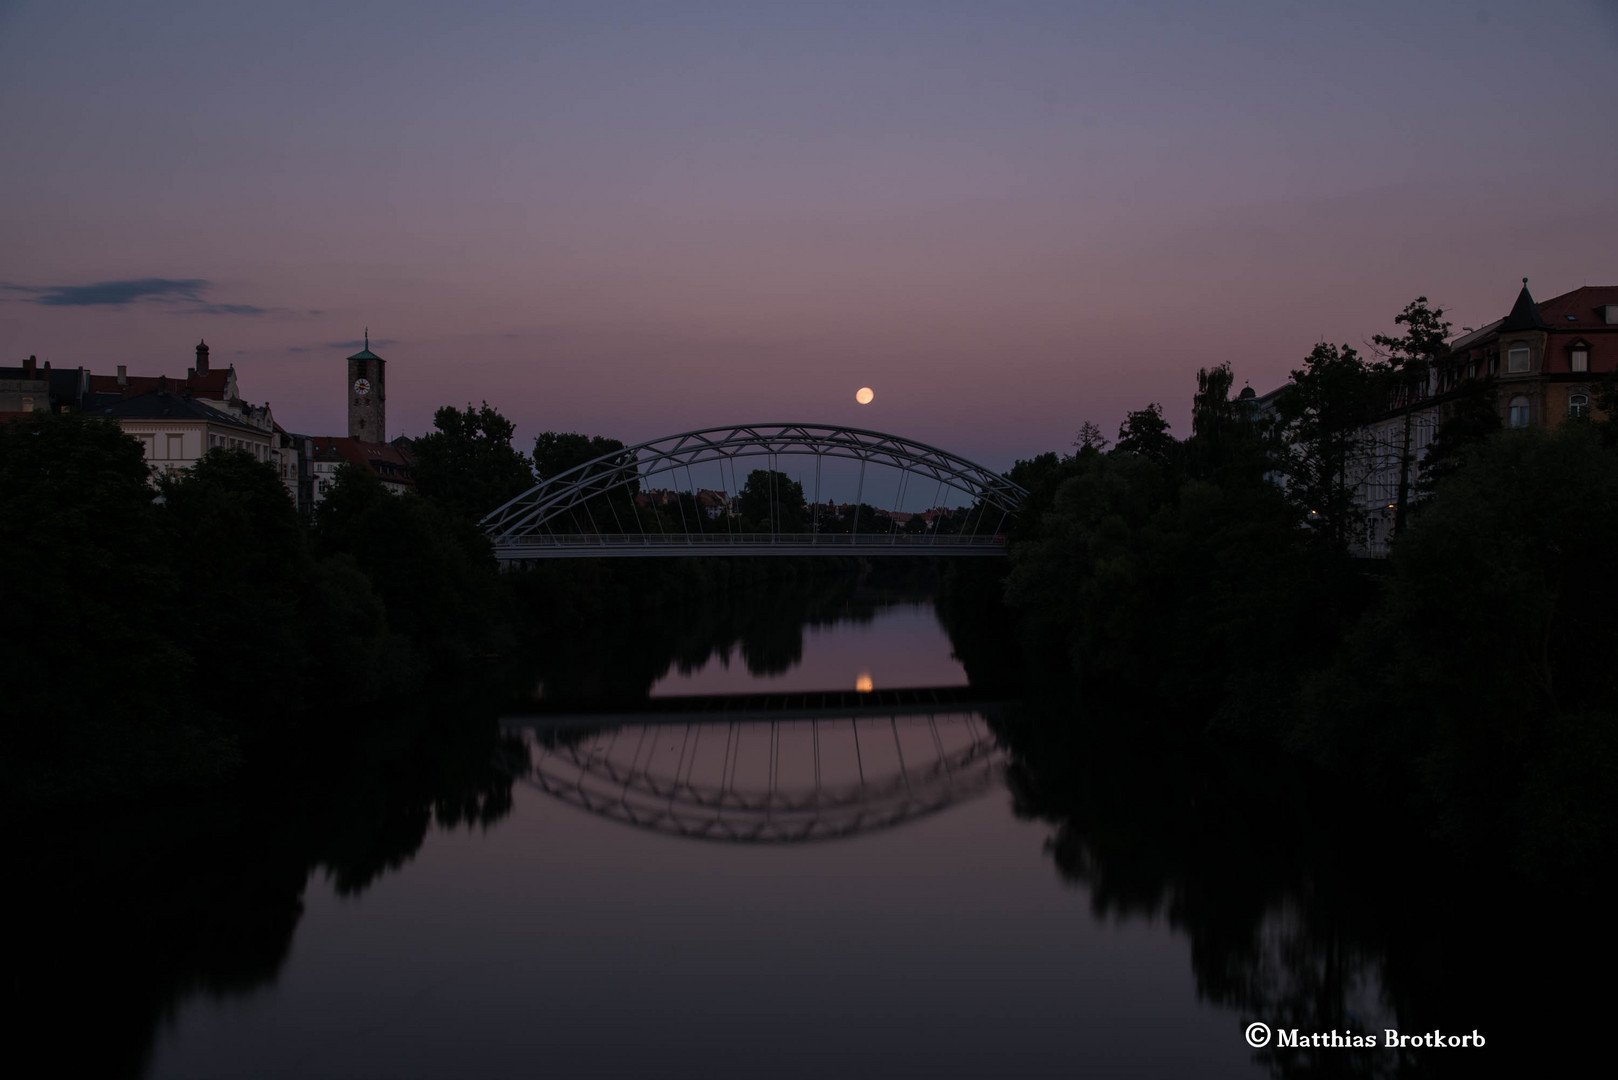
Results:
x,y
362,386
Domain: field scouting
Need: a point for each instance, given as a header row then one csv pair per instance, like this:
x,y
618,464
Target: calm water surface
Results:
x,y
849,896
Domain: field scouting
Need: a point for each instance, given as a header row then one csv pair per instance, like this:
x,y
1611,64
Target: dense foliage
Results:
x,y
467,463
176,630
1208,586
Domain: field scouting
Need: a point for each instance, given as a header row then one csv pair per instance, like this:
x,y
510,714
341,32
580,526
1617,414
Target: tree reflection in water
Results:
x,y
122,920
1303,909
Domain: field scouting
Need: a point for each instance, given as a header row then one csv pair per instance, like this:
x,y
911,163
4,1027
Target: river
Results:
x,y
828,856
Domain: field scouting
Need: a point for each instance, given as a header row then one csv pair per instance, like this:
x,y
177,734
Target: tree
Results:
x,y
1146,433
555,452
1325,410
94,661
1607,402
1090,438
1213,414
1408,363
433,570
1231,441
1469,419
232,528
468,465
773,502
1491,639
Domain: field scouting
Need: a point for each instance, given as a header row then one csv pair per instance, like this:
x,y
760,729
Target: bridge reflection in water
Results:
x,y
753,779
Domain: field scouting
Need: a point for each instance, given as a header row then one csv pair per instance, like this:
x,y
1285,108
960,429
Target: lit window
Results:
x,y
1517,360
1517,412
1579,359
27,404
1578,406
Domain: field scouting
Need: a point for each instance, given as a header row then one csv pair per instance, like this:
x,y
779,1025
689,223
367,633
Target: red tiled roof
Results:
x,y
1584,304
212,385
384,459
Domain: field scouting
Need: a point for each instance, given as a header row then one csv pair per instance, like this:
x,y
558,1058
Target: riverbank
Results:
x,y
1460,686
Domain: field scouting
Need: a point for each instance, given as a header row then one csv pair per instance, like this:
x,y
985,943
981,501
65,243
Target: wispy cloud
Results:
x,y
235,309
189,294
359,343
329,346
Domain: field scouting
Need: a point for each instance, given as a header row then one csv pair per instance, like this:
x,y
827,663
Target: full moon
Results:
x,y
865,395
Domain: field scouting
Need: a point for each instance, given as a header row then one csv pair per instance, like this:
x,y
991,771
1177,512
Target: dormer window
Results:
x,y
1517,360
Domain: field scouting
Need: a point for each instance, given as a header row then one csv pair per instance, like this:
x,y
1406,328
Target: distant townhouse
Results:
x,y
391,463
1545,358
33,387
179,420
175,430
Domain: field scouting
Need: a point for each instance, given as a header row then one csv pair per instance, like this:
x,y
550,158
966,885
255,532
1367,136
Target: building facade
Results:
x,y
175,431
178,420
1545,359
33,387
327,453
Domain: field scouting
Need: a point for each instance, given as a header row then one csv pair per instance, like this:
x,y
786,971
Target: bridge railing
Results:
x,y
908,543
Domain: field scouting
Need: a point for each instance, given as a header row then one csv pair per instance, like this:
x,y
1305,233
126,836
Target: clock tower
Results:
x,y
367,395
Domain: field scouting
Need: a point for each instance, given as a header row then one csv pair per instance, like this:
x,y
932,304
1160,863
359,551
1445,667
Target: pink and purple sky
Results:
x,y
635,219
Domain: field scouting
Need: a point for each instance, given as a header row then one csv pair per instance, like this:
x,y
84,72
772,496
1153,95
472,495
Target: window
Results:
x,y
27,404
1517,412
1578,406
176,447
1579,359
1517,360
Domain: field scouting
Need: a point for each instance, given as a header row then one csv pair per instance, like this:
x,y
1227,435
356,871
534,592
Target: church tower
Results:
x,y
367,395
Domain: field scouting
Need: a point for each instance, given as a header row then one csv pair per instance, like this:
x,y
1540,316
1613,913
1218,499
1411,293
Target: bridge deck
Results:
x,y
669,545
754,708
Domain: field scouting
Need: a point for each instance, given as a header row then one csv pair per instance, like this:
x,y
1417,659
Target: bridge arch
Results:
x,y
531,514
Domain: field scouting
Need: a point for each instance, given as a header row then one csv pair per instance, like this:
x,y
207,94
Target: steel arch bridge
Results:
x,y
544,522
769,782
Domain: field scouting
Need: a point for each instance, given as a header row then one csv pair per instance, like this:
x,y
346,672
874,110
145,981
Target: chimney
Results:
x,y
202,358
123,374
28,368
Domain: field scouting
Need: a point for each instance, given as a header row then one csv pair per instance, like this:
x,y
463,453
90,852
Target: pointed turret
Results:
x,y
1524,314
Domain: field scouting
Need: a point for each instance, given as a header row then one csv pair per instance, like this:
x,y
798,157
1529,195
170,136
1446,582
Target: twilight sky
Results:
x,y
635,219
